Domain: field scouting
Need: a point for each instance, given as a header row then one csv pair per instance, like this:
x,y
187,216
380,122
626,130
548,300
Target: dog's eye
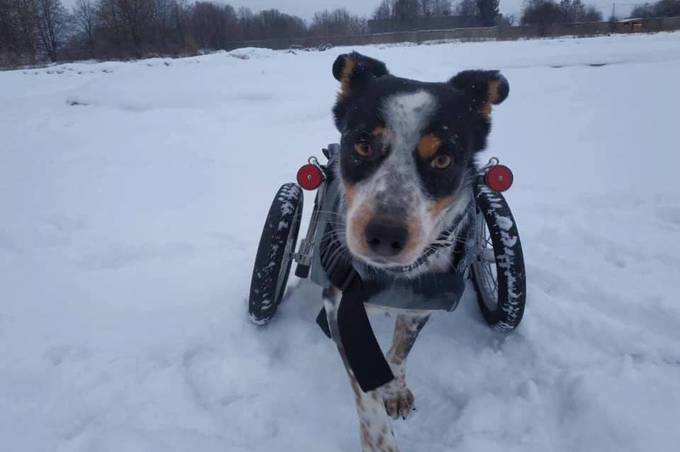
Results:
x,y
441,162
364,149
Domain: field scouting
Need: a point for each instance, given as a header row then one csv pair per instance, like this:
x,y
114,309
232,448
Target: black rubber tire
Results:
x,y
508,310
275,253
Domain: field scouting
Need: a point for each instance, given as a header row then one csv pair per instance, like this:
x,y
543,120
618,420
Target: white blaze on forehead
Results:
x,y
406,114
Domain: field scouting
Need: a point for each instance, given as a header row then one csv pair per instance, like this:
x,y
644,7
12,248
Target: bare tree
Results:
x,y
168,25
441,7
208,25
467,8
545,13
667,8
383,11
84,20
180,25
18,36
572,10
405,10
8,33
135,17
426,7
488,11
246,20
273,24
52,26
542,13
336,23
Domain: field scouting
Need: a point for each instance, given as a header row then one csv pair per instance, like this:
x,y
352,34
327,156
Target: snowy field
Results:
x,y
132,197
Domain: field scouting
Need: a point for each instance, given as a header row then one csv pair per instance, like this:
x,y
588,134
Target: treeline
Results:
x,y
662,8
545,13
483,13
33,31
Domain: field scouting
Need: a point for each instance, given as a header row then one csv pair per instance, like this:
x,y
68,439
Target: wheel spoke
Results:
x,y
491,279
487,255
485,266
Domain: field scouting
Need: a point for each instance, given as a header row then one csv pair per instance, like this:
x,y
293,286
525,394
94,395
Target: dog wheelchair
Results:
x,y
495,263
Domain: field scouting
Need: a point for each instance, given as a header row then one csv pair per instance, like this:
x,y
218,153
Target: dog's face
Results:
x,y
406,154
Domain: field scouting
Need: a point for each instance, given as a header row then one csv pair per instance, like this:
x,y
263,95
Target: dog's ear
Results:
x,y
354,69
485,88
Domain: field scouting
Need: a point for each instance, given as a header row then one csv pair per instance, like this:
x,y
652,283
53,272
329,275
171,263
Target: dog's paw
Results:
x,y
398,399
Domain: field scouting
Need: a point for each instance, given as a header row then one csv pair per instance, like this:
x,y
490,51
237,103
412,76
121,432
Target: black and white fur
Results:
x,y
406,168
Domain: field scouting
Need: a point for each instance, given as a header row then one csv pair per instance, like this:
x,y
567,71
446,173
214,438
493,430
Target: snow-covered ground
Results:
x,y
132,197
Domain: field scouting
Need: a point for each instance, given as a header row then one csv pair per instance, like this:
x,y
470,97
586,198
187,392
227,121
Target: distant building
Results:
x,y
632,25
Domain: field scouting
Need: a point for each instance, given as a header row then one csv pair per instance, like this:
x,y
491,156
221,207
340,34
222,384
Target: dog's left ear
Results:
x,y
486,88
354,69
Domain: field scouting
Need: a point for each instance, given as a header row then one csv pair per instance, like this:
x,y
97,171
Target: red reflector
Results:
x,y
498,178
310,176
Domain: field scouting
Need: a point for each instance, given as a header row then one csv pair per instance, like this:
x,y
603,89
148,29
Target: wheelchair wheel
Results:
x,y
498,271
275,253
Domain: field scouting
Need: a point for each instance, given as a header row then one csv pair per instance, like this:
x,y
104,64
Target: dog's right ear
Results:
x,y
354,69
487,88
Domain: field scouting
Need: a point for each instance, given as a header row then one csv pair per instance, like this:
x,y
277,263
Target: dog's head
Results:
x,y
407,152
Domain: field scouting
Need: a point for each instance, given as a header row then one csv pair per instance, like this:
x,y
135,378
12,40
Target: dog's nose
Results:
x,y
386,237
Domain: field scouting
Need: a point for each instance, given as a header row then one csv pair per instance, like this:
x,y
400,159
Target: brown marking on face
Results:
x,y
378,130
428,146
345,75
485,109
356,229
350,192
440,206
494,95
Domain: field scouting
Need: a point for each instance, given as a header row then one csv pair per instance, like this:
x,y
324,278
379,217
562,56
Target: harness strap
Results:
x,y
361,348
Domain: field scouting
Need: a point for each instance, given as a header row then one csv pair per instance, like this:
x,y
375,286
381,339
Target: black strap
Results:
x,y
363,353
361,347
322,321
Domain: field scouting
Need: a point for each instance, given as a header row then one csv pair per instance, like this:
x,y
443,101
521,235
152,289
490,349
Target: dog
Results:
x,y
405,170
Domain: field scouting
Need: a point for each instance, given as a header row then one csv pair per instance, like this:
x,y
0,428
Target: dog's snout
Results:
x,y
386,237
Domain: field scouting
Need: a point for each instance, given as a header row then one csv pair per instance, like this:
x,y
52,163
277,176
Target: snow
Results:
x,y
133,196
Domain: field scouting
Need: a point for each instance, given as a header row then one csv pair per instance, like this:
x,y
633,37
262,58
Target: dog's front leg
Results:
x,y
375,426
399,400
